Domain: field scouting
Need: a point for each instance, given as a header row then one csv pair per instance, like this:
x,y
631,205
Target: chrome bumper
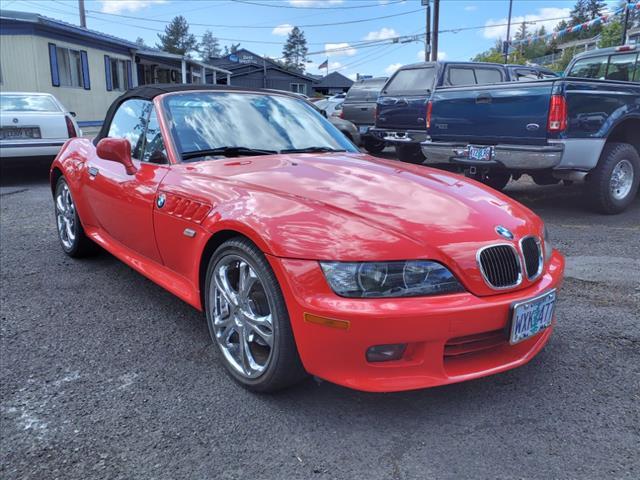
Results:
x,y
517,157
400,136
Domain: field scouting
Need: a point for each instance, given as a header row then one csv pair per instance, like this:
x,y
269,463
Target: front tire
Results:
x,y
410,154
73,239
613,184
248,318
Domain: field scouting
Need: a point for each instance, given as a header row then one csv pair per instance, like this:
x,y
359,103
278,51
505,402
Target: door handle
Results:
x,y
93,171
484,98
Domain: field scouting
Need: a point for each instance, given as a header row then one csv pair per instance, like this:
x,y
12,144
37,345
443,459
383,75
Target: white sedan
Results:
x,y
34,124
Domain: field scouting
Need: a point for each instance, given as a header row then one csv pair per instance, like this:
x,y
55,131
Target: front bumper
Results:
x,y
399,136
515,157
433,327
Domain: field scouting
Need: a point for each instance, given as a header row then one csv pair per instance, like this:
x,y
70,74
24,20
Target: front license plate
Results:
x,y
19,133
482,154
532,316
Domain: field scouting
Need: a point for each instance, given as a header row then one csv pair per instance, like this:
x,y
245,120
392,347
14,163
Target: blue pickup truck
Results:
x,y
582,127
402,103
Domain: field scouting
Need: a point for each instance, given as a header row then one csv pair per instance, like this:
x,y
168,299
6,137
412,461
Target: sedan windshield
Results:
x,y
206,124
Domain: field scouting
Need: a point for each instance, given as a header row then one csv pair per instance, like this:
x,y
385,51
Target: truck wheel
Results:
x,y
373,146
613,184
410,154
496,179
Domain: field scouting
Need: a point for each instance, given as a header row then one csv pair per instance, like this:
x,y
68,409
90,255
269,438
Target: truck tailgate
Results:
x,y
500,113
406,112
360,113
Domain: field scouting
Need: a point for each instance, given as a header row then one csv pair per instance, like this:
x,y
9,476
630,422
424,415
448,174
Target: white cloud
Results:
x,y
392,68
339,49
352,76
441,55
541,18
381,34
117,6
282,29
334,65
470,8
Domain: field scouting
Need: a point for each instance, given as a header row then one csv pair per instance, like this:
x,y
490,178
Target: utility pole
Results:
x,y
626,21
427,36
505,45
436,26
83,17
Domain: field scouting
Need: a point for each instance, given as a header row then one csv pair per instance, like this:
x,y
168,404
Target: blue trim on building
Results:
x,y
107,72
86,81
53,63
90,123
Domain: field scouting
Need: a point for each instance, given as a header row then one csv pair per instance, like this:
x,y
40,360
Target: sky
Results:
x,y
261,26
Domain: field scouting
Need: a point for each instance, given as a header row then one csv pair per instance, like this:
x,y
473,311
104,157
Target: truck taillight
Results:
x,y
557,114
71,129
341,114
429,108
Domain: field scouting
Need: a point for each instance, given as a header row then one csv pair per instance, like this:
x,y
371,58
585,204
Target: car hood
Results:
x,y
344,206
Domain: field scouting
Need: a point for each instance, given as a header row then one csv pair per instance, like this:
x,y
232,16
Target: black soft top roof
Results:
x,y
149,92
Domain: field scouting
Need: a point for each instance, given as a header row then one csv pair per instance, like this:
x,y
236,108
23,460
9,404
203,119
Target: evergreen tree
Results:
x,y
209,46
176,38
295,50
228,51
522,32
140,42
595,8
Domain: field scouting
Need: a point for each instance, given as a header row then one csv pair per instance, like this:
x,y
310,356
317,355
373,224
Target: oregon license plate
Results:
x,y
482,154
19,133
363,128
532,316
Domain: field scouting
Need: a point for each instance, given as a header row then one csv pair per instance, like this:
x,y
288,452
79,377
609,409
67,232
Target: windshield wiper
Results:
x,y
311,150
227,152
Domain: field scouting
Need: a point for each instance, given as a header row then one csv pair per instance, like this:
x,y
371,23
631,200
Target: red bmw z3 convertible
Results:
x,y
307,256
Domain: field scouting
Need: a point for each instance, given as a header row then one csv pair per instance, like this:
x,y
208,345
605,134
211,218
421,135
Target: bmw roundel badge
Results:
x,y
504,232
161,200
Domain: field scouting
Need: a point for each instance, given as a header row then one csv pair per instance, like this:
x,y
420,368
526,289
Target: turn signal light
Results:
x,y
557,114
386,353
429,108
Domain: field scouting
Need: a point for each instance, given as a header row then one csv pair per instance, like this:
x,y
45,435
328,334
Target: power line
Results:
x,y
348,22
301,7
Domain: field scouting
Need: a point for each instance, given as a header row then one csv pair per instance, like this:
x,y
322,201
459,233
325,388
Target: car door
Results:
x,y
123,204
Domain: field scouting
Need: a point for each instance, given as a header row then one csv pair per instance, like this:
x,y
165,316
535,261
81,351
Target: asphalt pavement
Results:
x,y
106,375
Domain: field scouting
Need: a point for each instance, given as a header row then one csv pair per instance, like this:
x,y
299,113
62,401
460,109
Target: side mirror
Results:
x,y
73,114
324,113
117,150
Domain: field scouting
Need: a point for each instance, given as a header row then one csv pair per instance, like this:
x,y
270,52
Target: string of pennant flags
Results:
x,y
578,28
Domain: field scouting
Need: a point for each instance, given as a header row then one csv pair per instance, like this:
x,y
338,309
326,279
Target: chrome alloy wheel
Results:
x,y
621,179
66,217
242,318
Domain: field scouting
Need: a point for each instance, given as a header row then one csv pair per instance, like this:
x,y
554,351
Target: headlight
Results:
x,y
548,248
412,278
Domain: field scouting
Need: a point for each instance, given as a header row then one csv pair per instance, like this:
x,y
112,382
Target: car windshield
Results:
x,y
27,103
235,123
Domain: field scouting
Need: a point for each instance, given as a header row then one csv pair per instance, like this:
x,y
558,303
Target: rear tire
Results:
x,y
496,179
410,154
613,185
373,146
248,318
73,240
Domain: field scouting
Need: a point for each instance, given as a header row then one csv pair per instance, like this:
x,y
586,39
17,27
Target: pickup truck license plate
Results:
x,y
19,133
364,128
482,154
532,316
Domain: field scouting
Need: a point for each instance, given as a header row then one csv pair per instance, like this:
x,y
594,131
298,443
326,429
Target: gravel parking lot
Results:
x,y
106,375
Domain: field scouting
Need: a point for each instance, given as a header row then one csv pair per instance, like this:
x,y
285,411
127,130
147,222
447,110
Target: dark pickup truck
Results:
x,y
402,105
359,107
584,126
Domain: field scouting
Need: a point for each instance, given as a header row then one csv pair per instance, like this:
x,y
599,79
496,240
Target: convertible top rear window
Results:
x,y
205,121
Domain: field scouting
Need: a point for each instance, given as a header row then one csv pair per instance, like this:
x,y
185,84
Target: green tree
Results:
x,y
494,54
611,34
209,46
295,50
233,49
140,42
176,38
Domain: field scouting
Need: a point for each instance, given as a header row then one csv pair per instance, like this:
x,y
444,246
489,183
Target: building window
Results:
x,y
69,67
299,88
119,74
